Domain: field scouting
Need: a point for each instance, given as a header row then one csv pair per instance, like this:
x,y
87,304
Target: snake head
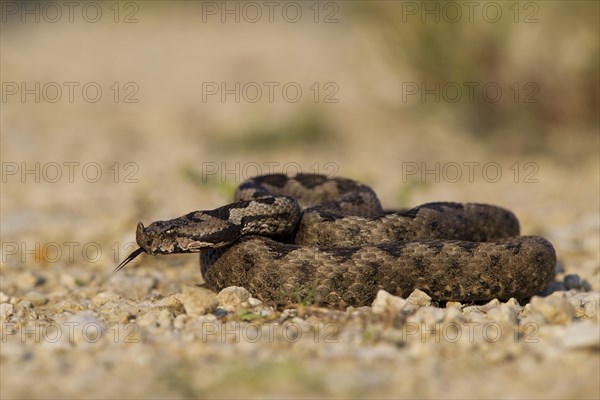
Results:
x,y
161,237
168,237
190,233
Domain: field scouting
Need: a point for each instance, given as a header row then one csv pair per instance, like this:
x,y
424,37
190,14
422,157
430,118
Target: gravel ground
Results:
x,y
71,329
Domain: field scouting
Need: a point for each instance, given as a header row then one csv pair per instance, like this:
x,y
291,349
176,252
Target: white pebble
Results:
x,y
419,298
6,310
133,286
504,313
554,309
431,315
36,298
179,321
492,303
252,301
26,281
198,301
4,298
581,335
386,303
454,304
104,297
453,314
165,319
85,329
232,297
24,304
591,305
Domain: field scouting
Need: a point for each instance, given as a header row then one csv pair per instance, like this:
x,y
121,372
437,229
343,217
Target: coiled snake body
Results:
x,y
328,241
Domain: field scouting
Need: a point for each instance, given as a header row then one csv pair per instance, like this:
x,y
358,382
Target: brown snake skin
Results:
x,y
323,240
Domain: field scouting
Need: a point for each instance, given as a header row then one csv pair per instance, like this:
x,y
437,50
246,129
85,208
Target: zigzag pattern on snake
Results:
x,y
287,239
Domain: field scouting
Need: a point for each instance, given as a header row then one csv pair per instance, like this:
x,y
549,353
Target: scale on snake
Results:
x,y
328,239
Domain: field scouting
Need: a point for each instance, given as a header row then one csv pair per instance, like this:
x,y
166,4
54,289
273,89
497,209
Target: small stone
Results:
x,y
453,314
170,302
503,313
6,310
419,298
474,314
386,303
554,309
581,335
67,280
454,304
591,305
4,298
179,321
431,315
253,302
26,281
67,305
198,301
36,298
133,286
156,320
287,314
554,286
148,320
585,285
410,309
165,319
85,328
104,297
24,304
232,297
513,302
490,305
572,281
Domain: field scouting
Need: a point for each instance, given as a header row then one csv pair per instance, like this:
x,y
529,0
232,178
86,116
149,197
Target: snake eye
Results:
x,y
169,231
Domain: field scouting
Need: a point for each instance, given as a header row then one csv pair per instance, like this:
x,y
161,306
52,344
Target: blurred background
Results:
x,y
176,103
115,112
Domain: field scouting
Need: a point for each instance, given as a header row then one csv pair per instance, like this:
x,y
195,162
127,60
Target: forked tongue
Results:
x,y
138,235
